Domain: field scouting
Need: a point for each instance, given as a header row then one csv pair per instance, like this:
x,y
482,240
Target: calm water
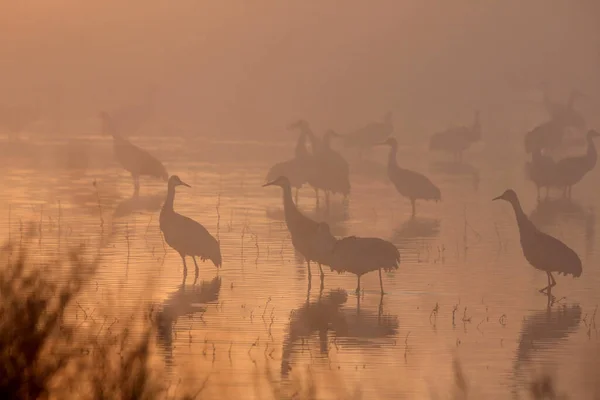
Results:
x,y
463,290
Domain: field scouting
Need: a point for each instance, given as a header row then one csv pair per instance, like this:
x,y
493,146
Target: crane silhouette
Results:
x,y
356,255
298,169
570,170
456,140
541,250
136,161
302,229
410,184
331,170
541,171
185,235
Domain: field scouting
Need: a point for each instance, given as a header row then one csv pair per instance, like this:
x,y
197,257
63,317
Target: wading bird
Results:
x,y
542,251
298,170
302,229
332,173
541,171
457,139
185,235
357,255
548,135
571,170
134,159
410,184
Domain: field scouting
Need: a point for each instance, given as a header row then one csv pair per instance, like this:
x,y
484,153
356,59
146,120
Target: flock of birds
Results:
x,y
317,164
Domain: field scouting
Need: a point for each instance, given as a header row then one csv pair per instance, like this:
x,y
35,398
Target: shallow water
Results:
x,y
463,290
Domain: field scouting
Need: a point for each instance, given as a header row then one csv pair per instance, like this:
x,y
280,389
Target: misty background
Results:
x,y
246,69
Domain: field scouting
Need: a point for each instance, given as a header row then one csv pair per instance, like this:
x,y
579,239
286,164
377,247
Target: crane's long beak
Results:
x,y
185,184
269,184
498,198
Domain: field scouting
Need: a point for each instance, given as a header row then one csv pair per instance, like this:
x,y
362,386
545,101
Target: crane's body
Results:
x,y
569,171
410,184
457,139
356,255
565,113
186,236
298,169
541,250
541,171
136,161
548,135
332,173
302,229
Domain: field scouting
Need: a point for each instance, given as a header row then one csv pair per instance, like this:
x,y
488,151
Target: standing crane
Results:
x,y
541,250
332,173
456,140
357,255
371,134
185,235
541,171
298,169
410,184
134,159
302,229
571,170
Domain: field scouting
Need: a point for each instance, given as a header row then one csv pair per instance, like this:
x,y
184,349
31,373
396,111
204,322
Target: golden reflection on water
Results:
x,y
463,289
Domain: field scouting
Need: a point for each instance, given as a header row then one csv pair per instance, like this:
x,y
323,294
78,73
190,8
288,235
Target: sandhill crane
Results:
x,y
371,134
548,135
571,170
332,173
185,235
134,159
455,140
298,169
302,228
541,171
357,255
565,113
542,251
409,183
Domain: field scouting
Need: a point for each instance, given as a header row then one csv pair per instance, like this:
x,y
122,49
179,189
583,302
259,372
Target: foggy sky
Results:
x,y
248,68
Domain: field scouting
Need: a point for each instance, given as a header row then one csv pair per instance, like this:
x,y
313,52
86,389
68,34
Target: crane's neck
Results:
x,y
301,150
168,206
392,163
591,155
522,220
289,208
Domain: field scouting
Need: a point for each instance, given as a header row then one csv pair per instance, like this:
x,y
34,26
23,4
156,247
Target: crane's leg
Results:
x,y
381,282
413,205
551,284
321,271
197,269
309,273
184,269
136,185
358,286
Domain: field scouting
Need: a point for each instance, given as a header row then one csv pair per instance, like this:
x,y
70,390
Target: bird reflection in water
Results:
x,y
544,330
458,170
139,204
327,316
418,227
186,301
